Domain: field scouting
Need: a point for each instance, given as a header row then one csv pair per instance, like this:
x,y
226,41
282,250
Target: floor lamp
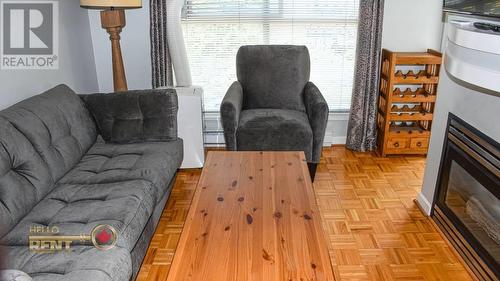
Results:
x,y
113,20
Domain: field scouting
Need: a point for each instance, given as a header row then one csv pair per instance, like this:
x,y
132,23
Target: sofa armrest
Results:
x,y
230,110
135,116
317,111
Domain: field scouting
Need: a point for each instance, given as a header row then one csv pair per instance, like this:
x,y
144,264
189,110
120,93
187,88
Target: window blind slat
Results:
x,y
215,29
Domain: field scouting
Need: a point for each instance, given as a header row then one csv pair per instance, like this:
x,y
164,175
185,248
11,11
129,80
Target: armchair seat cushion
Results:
x,y
274,130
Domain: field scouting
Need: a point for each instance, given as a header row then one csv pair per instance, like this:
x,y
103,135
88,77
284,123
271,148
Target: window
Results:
x,y
215,29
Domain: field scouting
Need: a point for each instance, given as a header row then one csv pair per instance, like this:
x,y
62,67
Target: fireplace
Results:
x,y
467,202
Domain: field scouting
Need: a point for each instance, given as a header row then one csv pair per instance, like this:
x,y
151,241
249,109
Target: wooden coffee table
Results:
x,y
253,217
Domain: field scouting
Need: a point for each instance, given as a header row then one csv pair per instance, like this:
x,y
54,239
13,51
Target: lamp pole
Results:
x,y
113,20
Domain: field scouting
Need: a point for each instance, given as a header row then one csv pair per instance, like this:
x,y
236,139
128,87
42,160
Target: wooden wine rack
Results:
x,y
406,101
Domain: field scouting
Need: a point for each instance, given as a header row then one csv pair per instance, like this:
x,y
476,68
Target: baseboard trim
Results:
x,y
424,204
331,140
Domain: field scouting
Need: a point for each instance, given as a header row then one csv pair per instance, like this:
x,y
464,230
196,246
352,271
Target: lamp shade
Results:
x,y
111,3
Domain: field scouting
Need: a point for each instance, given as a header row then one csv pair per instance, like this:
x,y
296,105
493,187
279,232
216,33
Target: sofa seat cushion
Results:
x,y
274,130
82,263
77,208
156,162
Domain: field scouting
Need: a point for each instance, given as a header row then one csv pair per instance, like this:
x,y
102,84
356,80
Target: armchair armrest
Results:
x,y
230,110
135,116
317,111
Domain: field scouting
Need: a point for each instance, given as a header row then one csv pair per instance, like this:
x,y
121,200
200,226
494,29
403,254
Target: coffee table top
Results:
x,y
253,217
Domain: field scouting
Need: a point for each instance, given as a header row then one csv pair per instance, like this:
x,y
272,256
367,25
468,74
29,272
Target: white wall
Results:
x,y
409,25
471,105
135,46
412,25
76,61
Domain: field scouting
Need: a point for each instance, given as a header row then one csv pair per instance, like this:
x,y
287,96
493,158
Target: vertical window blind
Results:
x,y
215,29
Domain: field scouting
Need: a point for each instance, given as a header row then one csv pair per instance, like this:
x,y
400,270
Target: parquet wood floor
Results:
x,y
375,230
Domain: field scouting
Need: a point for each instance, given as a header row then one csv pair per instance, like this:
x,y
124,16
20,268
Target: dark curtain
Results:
x,y
161,64
362,128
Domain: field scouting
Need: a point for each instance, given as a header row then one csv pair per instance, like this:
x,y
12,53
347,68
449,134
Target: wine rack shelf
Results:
x,y
409,96
413,130
422,77
408,89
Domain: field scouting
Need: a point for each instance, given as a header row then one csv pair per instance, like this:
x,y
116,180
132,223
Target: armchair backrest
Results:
x,y
273,76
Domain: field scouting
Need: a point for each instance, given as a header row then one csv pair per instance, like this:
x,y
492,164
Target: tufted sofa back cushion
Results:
x,y
135,116
41,139
58,126
24,176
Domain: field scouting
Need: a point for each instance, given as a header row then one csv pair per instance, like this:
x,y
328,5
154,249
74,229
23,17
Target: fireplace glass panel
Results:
x,y
476,207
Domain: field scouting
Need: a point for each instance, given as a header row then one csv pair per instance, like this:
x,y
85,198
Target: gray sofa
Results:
x,y
273,106
80,161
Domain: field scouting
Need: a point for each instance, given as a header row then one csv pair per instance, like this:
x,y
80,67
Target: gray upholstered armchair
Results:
x,y
273,106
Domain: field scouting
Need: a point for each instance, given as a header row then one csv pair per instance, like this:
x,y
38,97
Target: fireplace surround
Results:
x,y
467,203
